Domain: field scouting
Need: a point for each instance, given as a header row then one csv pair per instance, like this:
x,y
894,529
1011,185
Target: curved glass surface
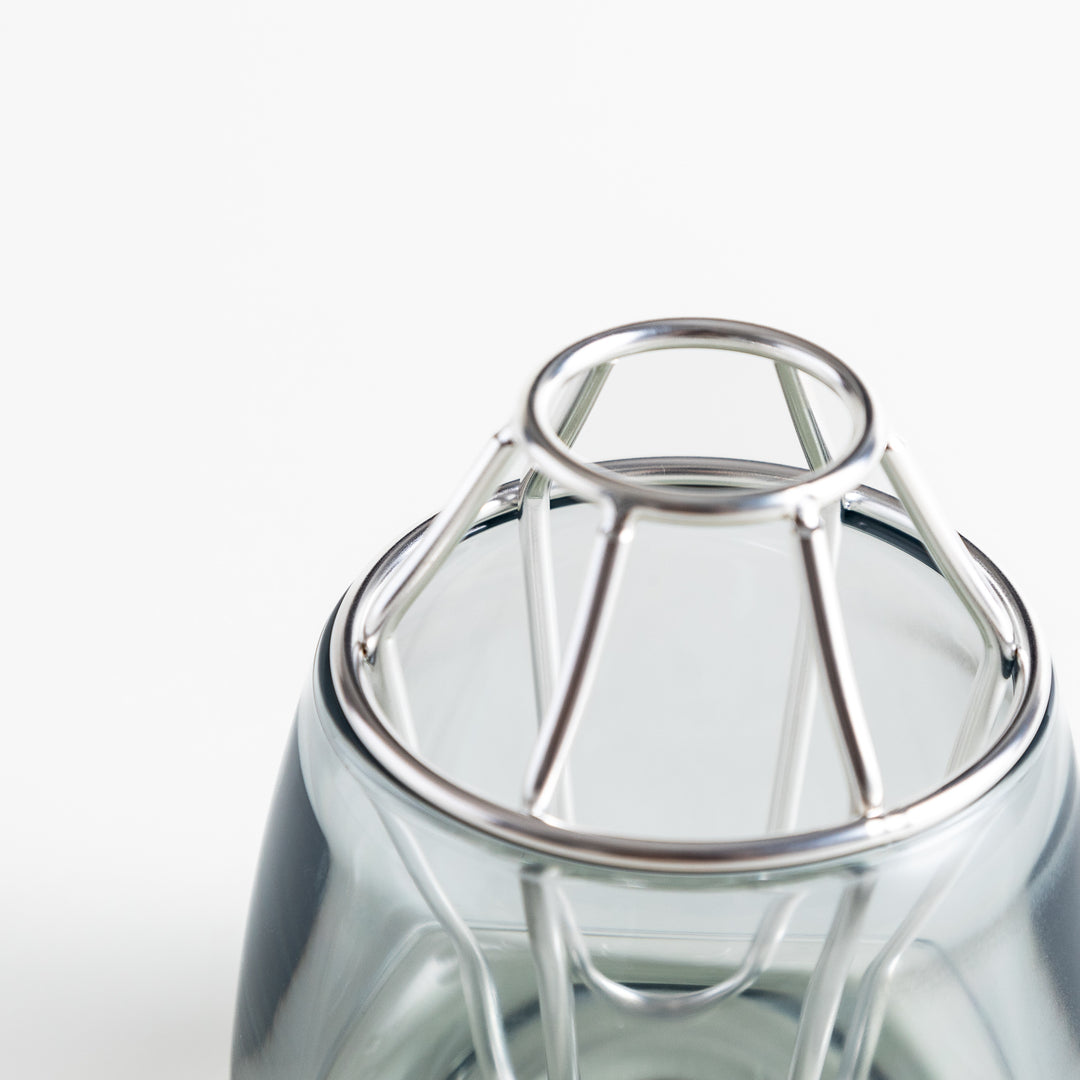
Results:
x,y
385,941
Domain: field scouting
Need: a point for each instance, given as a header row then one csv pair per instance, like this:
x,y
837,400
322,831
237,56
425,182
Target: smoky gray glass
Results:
x,y
388,940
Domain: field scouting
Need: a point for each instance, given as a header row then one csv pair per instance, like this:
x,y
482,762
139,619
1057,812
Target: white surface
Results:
x,y
260,259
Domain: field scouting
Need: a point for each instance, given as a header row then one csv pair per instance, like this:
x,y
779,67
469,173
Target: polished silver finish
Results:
x,y
386,609
801,700
684,1003
579,666
543,616
555,986
973,588
812,441
478,985
706,491
948,552
822,1000
536,430
413,780
864,775
374,695
535,508
865,1029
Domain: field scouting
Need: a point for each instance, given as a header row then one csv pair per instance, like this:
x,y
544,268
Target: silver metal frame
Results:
x,y
706,491
535,430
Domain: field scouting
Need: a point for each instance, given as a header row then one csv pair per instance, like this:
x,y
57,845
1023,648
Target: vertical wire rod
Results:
x,y
821,1002
981,712
797,727
580,663
864,773
538,568
553,977
573,420
802,415
541,609
948,551
823,995
433,548
864,1031
478,985
798,719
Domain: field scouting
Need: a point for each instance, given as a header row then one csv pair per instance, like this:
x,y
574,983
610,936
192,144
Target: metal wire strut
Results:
x,y
372,688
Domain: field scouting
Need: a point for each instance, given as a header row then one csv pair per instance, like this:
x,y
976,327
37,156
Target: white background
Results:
x,y
272,271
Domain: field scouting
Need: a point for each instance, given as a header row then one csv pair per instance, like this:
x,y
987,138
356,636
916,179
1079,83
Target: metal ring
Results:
x,y
397,771
594,483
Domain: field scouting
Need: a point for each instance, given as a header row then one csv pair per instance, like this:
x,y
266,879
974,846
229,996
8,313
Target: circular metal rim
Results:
x,y
419,783
594,483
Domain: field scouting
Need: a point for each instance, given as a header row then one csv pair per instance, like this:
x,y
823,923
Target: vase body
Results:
x,y
950,955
